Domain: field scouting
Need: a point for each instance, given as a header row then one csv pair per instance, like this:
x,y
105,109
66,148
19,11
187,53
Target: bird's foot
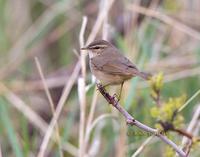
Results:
x,y
99,85
115,96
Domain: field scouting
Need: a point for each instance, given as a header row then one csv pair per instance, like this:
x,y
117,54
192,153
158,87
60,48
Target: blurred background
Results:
x,y
157,35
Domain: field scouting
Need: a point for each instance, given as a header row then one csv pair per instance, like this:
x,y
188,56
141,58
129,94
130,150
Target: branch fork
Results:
x,y
131,121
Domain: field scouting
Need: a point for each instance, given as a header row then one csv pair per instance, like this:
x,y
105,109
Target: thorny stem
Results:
x,y
131,121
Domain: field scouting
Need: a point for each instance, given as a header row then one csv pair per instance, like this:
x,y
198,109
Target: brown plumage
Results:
x,y
109,65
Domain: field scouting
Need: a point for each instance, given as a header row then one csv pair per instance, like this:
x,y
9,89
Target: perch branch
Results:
x,y
131,121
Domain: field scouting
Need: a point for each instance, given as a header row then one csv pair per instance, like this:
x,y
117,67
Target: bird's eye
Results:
x,y
97,47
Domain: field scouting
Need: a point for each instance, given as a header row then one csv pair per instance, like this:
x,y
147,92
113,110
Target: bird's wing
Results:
x,y
116,65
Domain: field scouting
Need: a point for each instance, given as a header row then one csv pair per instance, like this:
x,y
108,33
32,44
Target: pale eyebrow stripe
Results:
x,y
98,46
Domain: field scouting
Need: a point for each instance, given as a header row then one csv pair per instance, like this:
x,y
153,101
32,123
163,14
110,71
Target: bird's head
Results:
x,y
97,47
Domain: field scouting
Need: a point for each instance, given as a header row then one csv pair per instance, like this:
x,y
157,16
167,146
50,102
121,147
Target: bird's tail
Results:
x,y
145,76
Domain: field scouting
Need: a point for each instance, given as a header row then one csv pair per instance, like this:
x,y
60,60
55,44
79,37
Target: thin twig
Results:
x,y
91,113
92,109
104,8
81,41
133,145
131,121
96,141
182,132
103,11
188,101
82,102
51,104
191,127
82,90
94,123
166,19
58,110
98,23
34,118
16,54
139,150
69,148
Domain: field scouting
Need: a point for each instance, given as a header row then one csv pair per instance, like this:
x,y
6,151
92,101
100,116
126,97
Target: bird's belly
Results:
x,y
109,79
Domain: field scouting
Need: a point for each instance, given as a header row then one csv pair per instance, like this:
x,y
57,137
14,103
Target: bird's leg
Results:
x,y
118,97
121,86
120,92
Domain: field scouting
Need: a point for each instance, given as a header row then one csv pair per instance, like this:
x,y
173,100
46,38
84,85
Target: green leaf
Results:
x,y
4,116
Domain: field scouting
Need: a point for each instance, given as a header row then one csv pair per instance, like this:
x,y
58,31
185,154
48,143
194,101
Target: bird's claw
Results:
x,y
115,96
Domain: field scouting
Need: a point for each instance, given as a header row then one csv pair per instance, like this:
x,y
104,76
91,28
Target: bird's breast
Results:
x,y
108,79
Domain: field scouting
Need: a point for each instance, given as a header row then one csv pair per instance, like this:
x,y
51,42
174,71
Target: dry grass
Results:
x,y
58,111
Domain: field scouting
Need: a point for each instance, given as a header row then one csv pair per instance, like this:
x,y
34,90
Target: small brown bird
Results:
x,y
109,66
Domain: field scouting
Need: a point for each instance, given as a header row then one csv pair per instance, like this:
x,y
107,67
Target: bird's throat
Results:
x,y
92,54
